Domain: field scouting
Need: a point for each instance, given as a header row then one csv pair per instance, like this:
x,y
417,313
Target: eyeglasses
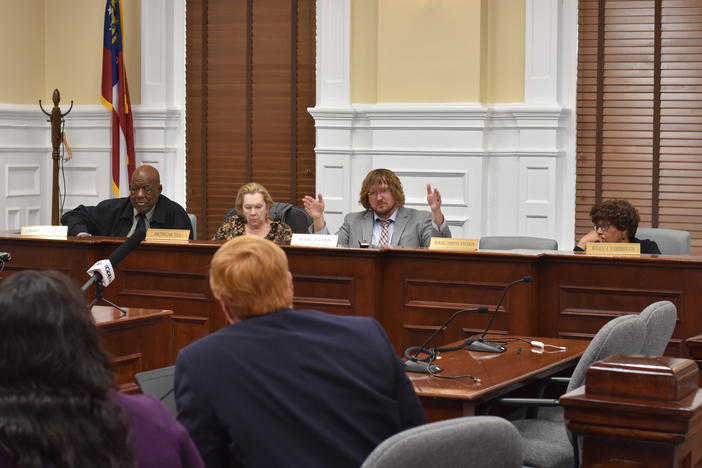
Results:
x,y
147,189
382,191
603,226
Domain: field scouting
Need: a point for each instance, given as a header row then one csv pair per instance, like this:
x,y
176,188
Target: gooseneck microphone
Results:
x,y
413,364
483,345
118,255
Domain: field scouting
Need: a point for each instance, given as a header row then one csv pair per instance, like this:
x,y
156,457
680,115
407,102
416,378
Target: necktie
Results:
x,y
141,222
383,240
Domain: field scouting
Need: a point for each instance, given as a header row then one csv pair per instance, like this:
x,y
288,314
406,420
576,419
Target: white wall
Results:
x,y
502,169
159,126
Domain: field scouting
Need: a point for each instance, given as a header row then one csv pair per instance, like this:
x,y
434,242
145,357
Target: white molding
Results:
x,y
23,129
159,123
154,44
33,190
163,84
541,51
567,96
333,52
479,157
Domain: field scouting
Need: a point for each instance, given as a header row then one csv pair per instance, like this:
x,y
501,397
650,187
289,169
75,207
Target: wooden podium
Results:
x,y
138,341
638,411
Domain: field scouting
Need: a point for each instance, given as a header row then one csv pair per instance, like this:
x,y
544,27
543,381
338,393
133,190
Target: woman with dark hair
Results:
x,y
615,221
58,405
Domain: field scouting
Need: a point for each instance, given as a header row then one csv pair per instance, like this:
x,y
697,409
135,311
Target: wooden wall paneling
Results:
x,y
424,288
580,294
228,115
250,77
639,124
411,292
196,111
628,105
305,97
272,126
319,283
48,254
681,118
588,104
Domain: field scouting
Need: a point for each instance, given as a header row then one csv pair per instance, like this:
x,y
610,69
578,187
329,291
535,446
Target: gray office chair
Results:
x,y
516,242
159,383
670,241
545,439
193,221
294,216
473,441
659,318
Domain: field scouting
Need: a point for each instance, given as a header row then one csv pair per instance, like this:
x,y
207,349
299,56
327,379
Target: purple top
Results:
x,y
157,440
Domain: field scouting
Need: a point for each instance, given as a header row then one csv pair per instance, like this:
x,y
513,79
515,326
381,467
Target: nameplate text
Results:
x,y
314,240
612,248
44,231
168,235
444,243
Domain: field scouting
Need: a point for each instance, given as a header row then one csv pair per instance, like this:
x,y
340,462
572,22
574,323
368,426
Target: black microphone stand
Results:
x,y
481,344
100,297
413,364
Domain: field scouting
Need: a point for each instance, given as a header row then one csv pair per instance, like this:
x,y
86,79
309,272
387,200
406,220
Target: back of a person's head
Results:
x,y
250,276
55,378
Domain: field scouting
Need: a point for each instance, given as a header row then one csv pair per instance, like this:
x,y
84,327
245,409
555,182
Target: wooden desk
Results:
x,y
498,374
136,342
409,291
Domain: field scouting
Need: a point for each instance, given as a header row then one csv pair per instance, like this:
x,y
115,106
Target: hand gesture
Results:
x,y
433,198
314,207
591,236
434,201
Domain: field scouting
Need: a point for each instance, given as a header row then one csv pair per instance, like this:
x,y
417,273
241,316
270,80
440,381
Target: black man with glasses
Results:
x,y
615,221
145,208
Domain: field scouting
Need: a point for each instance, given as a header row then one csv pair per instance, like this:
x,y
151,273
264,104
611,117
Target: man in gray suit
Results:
x,y
385,221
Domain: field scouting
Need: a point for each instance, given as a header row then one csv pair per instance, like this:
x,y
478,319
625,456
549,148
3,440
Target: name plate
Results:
x,y
44,231
168,235
612,248
314,240
444,243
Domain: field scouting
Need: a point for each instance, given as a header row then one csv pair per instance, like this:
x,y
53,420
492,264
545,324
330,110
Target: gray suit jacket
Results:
x,y
413,228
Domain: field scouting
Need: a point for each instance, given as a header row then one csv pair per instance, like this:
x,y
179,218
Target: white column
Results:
x,y
160,133
541,51
333,52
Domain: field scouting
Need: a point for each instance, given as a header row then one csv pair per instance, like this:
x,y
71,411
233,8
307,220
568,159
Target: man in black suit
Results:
x,y
144,208
284,387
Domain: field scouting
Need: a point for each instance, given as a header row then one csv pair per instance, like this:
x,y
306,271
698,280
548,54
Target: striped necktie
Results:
x,y
383,240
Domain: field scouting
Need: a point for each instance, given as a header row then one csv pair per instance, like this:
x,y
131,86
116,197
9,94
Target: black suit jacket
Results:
x,y
114,217
293,388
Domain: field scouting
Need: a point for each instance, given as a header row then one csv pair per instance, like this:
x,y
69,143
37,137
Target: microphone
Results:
x,y
483,345
114,259
412,364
